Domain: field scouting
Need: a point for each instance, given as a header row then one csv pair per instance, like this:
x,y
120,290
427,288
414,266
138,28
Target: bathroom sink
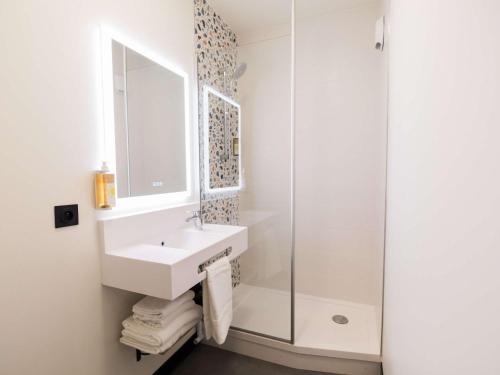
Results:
x,y
193,239
165,266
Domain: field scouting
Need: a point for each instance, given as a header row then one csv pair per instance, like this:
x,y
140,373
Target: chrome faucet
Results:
x,y
196,218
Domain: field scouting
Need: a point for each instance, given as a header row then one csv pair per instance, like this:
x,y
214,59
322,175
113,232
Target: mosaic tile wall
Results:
x,y
216,52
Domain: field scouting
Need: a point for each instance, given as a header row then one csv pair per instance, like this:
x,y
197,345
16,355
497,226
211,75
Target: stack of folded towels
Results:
x,y
157,324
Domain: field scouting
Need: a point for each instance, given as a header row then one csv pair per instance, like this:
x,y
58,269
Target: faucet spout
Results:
x,y
196,218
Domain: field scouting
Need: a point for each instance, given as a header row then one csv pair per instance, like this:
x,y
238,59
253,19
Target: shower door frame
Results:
x,y
292,192
292,178
292,197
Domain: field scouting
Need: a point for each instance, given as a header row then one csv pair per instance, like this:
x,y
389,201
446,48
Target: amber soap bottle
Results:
x,y
105,191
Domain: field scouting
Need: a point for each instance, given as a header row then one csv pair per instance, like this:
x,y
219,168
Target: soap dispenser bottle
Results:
x,y
105,191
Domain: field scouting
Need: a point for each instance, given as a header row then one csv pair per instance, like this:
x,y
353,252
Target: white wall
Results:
x,y
340,153
56,317
442,299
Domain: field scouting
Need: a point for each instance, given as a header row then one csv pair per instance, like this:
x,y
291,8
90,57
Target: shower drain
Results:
x,y
340,319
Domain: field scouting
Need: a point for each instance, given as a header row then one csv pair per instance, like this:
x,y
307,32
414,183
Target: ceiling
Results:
x,y
310,8
250,16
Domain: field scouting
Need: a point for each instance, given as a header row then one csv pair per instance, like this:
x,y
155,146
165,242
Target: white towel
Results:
x,y
218,300
156,322
157,308
158,349
159,337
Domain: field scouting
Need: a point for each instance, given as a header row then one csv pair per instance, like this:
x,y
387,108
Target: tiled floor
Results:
x,y
206,359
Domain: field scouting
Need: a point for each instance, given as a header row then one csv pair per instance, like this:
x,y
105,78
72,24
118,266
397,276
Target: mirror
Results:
x,y
222,131
150,125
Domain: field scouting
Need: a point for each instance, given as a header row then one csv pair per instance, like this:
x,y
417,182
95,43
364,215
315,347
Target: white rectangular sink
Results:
x,y
193,239
167,266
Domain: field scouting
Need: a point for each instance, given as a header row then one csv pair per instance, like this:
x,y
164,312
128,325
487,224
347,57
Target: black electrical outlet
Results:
x,y
65,216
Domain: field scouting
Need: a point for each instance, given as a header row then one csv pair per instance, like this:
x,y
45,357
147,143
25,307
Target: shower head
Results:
x,y
241,68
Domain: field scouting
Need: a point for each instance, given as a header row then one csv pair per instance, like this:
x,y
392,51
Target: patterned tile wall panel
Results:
x,y
216,52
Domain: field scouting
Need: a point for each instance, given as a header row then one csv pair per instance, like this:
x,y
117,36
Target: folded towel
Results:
x,y
159,336
158,322
218,300
159,349
160,308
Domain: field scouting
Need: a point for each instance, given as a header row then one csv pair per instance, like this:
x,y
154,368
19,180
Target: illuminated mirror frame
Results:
x,y
109,149
206,139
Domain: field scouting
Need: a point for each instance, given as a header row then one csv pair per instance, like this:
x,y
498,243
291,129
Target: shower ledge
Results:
x,y
167,266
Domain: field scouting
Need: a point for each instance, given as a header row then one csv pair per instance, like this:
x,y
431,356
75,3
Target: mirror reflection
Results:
x,y
222,132
150,125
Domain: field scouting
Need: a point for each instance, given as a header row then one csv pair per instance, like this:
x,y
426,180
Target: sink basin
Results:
x,y
166,266
193,239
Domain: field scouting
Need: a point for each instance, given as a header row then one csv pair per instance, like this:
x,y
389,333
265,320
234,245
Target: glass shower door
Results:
x,y
244,84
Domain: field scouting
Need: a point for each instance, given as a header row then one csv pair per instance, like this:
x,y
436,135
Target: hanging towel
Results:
x,y
146,348
156,322
156,308
218,300
160,336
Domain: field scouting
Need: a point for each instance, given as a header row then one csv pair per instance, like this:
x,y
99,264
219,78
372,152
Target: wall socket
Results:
x,y
65,216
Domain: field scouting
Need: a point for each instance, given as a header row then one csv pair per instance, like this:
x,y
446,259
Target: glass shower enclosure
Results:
x,y
292,114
